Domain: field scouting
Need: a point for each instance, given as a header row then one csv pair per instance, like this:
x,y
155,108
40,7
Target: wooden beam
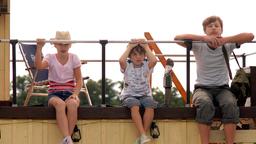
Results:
x,y
180,113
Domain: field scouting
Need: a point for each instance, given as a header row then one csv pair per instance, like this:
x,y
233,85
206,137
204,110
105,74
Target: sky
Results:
x,y
124,20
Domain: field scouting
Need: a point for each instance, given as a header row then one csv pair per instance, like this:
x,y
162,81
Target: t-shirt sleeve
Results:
x,y
127,65
76,61
232,46
150,71
196,47
47,57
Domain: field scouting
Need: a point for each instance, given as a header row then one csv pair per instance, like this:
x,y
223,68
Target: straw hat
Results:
x,y
62,35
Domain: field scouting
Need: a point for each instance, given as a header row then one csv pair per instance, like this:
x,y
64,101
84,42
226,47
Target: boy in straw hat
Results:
x,y
65,82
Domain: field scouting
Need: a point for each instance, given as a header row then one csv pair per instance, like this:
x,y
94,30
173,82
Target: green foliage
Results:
x,y
113,90
176,100
94,89
21,82
21,86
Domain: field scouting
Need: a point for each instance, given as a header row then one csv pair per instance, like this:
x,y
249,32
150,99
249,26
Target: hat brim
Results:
x,y
57,41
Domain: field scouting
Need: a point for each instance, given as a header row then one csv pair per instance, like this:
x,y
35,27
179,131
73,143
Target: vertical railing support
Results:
x,y
189,47
103,79
14,95
244,59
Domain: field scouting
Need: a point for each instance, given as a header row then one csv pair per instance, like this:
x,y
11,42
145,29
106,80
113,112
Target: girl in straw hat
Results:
x,y
65,82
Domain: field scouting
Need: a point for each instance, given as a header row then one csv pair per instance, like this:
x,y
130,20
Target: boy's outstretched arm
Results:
x,y
239,38
190,37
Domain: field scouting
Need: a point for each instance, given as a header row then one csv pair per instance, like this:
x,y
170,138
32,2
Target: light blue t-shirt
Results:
x,y
136,81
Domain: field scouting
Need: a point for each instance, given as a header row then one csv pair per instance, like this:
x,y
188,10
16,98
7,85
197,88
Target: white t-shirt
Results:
x,y
62,73
136,81
211,66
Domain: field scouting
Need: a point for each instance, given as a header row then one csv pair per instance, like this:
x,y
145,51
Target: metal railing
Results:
x,y
103,43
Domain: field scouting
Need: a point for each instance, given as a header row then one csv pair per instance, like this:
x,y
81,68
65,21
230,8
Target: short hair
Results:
x,y
137,49
212,19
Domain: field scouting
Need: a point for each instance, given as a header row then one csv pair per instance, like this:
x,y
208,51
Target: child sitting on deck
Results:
x,y
212,87
65,82
137,91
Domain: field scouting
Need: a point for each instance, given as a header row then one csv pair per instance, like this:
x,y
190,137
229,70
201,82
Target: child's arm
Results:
x,y
215,41
239,38
188,37
212,41
125,55
78,79
39,63
151,57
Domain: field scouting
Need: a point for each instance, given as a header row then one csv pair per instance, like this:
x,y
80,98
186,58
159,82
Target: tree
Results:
x,y
176,100
94,89
113,90
21,82
21,87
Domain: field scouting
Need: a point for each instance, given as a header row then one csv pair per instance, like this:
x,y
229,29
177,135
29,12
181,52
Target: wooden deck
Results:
x,y
89,113
109,125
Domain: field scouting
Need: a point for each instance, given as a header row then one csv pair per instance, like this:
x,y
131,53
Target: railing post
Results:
x,y
189,47
244,59
103,79
14,95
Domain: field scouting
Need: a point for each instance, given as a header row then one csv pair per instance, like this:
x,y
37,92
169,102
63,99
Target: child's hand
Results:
x,y
221,40
213,41
143,43
135,42
132,43
74,96
40,43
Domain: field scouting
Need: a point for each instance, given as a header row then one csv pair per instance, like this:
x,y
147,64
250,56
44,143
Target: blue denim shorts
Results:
x,y
144,101
60,94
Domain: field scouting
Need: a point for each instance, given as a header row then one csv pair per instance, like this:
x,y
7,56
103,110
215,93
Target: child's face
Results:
x,y
136,58
214,29
62,48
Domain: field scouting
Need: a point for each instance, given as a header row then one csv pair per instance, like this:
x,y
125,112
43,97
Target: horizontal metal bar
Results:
x,y
173,55
249,54
88,41
182,55
109,41
92,61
